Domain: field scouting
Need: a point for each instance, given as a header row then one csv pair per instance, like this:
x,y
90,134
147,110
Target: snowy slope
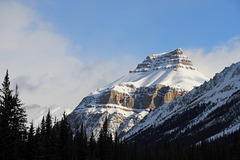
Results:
x,y
172,69
183,78
160,78
94,116
36,112
204,113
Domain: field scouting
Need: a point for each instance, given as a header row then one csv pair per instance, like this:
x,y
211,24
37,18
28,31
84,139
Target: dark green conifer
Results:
x,y
92,148
31,145
12,122
48,136
65,139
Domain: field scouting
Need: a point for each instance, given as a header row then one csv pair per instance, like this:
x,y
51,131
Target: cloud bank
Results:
x,y
38,60
221,56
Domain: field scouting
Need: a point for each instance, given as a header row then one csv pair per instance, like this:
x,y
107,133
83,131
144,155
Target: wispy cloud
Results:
x,y
38,60
221,56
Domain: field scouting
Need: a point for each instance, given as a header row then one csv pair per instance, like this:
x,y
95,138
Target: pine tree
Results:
x,y
92,148
102,141
20,120
80,144
116,149
31,143
40,139
12,122
48,138
105,143
48,124
5,118
43,126
65,139
55,134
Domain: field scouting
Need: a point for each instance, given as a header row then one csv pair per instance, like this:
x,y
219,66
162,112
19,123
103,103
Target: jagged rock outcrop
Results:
x,y
175,59
158,80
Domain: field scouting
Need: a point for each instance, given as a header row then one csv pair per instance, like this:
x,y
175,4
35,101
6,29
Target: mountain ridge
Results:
x,y
208,111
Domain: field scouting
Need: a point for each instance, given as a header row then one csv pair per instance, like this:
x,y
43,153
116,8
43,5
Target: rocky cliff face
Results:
x,y
158,80
142,98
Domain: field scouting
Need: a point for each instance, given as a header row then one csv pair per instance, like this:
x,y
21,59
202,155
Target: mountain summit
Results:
x,y
173,69
158,80
175,59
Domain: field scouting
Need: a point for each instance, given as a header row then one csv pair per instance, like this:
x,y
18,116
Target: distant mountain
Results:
x,y
158,80
207,112
36,112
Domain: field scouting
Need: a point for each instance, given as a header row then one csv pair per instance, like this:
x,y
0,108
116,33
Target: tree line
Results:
x,y
57,141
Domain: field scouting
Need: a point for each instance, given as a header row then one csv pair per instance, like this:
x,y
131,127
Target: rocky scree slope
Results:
x,y
158,80
207,112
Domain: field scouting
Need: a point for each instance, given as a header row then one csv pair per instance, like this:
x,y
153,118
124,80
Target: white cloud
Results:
x,y
221,56
37,60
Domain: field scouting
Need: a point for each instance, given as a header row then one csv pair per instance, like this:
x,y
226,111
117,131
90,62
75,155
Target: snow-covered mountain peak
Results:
x,y
172,60
173,69
158,80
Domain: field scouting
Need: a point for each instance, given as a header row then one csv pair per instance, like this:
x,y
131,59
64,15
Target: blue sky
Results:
x,y
141,27
55,48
